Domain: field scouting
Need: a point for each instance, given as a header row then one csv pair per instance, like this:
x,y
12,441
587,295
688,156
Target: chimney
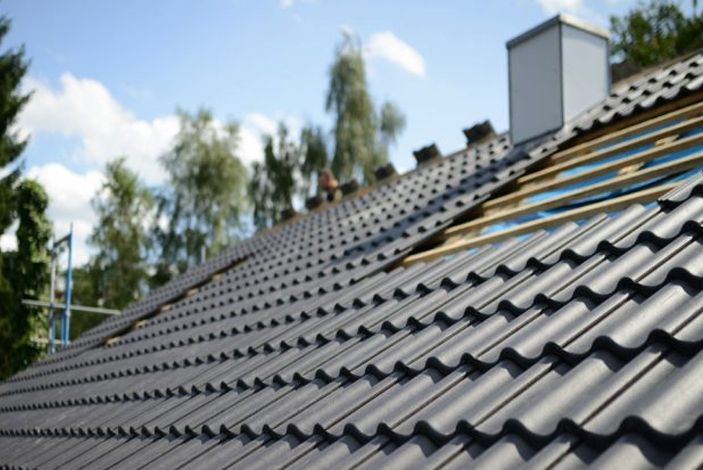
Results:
x,y
556,70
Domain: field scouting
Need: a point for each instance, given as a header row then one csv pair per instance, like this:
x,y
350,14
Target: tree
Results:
x,y
357,147
314,150
277,180
13,67
23,271
207,193
25,274
392,123
124,209
654,32
355,123
85,291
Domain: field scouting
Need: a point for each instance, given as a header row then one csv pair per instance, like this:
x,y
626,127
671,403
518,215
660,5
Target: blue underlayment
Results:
x,y
635,135
618,192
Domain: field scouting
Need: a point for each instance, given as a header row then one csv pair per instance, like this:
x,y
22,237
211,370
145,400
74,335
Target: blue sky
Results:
x,y
108,76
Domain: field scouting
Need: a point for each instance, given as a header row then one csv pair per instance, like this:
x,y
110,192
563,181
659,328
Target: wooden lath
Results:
x,y
644,196
664,137
686,113
648,119
561,165
564,181
621,181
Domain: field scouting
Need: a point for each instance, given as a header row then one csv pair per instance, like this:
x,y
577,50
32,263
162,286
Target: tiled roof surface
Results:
x,y
581,345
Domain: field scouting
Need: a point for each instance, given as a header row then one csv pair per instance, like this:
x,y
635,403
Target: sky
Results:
x,y
107,77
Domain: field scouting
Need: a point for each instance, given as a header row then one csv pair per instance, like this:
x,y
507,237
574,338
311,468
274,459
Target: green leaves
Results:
x,y
124,209
284,174
206,194
25,274
24,271
361,137
654,32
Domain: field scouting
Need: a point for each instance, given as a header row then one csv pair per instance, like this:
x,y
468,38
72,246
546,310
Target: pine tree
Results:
x,y
24,271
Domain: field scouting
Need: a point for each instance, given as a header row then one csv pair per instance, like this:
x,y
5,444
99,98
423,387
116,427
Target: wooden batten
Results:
x,y
621,181
691,114
682,108
610,205
650,153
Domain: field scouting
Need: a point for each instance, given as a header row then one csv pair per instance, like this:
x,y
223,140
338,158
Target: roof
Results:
x,y
312,344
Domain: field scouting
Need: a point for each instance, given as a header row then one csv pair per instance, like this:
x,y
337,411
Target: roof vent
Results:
x,y
287,214
556,71
349,187
385,171
479,133
313,202
426,154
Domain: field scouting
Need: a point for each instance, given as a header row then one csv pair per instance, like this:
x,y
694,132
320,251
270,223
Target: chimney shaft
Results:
x,y
556,71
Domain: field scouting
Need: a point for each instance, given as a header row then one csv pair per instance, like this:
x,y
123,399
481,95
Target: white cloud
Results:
x,y
387,46
255,126
261,123
85,109
285,4
556,6
70,194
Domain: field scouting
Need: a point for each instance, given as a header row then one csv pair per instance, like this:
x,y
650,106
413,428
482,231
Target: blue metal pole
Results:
x,y
52,292
66,323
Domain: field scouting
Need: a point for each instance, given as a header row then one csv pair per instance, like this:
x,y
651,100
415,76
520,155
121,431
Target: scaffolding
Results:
x,y
61,312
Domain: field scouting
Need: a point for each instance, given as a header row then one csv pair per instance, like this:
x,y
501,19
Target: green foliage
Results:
x,y
355,120
25,274
654,32
124,208
13,67
277,180
286,173
86,291
392,123
315,159
206,193
357,147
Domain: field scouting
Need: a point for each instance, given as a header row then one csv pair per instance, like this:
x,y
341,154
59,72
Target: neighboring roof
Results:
x,y
307,346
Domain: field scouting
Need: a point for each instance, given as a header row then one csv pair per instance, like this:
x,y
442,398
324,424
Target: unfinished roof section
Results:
x,y
308,346
566,347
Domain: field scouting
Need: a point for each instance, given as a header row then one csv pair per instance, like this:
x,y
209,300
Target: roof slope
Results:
x,y
581,345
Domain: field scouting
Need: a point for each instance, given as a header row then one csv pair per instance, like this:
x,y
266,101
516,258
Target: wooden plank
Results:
x,y
641,157
652,152
620,181
692,113
640,121
647,195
